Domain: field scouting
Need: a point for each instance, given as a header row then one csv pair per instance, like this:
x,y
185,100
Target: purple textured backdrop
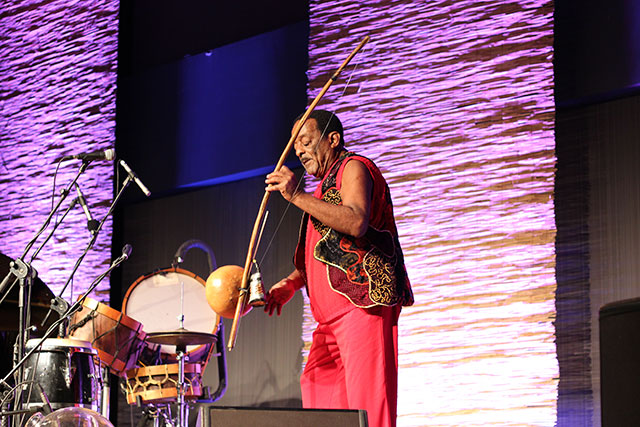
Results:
x,y
454,101
57,96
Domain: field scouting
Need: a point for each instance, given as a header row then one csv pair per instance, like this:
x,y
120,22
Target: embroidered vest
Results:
x,y
369,270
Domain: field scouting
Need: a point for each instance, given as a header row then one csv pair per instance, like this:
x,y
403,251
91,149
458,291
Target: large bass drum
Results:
x,y
157,300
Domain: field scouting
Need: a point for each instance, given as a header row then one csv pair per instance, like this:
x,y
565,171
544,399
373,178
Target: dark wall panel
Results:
x,y
215,114
619,368
157,32
597,49
597,213
573,321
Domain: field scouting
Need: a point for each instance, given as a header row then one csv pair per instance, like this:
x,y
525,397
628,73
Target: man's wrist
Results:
x,y
296,282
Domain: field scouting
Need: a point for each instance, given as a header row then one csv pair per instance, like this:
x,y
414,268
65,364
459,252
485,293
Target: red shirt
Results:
x,y
326,304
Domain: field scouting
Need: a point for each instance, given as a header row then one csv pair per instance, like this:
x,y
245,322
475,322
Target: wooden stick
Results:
x,y
296,130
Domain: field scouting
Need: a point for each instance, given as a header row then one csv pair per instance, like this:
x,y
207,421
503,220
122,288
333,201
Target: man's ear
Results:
x,y
334,139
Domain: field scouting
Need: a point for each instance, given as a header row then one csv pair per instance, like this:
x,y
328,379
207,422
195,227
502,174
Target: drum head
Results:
x,y
155,301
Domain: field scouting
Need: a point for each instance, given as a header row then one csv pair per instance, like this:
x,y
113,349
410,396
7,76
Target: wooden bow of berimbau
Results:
x,y
244,285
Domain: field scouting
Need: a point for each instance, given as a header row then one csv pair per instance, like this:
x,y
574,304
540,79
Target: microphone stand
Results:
x,y
54,326
94,237
25,274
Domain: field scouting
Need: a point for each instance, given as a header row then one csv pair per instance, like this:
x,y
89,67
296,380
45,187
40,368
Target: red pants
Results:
x,y
353,364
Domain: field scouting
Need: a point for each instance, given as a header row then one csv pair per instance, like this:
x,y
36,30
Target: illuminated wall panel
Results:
x,y
57,97
454,101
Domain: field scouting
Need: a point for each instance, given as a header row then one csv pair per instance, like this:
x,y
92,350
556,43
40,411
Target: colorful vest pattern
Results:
x,y
369,270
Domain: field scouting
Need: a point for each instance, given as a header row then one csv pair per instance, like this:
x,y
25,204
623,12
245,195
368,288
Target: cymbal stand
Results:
x,y
178,258
183,407
181,352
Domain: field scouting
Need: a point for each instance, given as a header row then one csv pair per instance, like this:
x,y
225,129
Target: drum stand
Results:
x,y
105,398
154,413
181,338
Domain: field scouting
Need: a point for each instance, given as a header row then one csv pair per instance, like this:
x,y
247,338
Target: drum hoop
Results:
x,y
118,316
169,368
79,346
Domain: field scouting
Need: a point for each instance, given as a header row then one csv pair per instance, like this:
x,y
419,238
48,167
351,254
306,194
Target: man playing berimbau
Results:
x,y
350,261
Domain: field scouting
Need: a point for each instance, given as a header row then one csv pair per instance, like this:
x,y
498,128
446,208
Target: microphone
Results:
x,y
108,154
92,224
133,176
126,251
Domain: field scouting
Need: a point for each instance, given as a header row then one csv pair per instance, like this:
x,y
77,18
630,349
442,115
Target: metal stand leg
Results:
x,y
183,408
106,393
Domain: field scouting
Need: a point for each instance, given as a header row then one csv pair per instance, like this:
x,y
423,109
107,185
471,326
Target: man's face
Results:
x,y
315,154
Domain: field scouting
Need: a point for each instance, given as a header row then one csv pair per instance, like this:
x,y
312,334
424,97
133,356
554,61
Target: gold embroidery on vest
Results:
x,y
380,269
333,197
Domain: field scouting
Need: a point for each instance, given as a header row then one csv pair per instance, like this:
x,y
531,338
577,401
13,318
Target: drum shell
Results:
x,y
146,301
68,372
157,384
118,338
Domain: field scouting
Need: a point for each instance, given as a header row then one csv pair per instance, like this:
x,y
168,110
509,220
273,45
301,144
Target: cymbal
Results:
x,y
180,337
41,297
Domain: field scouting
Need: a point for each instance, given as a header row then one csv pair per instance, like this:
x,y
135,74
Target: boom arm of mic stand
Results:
x,y
94,237
65,193
55,227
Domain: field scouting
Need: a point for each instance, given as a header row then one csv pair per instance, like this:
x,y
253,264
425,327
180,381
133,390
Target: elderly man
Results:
x,y
350,261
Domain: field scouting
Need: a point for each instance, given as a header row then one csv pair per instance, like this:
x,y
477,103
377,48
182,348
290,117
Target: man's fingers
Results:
x,y
274,307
